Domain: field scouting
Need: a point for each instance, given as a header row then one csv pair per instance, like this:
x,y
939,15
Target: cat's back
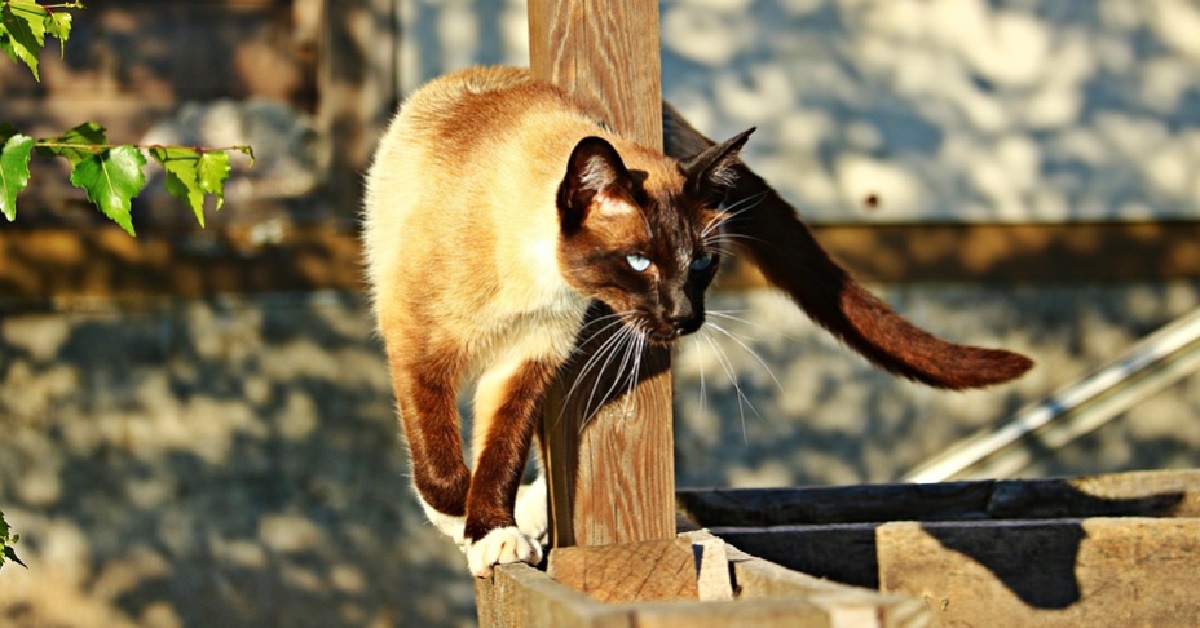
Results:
x,y
461,190
472,123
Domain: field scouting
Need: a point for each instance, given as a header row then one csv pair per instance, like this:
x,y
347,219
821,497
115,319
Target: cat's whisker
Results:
x,y
601,351
752,352
740,207
602,354
630,348
736,239
592,358
639,347
622,337
608,319
637,368
731,373
774,332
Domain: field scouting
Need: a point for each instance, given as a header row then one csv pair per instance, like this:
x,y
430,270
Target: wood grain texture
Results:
x,y
612,482
520,596
841,605
606,53
629,572
1083,572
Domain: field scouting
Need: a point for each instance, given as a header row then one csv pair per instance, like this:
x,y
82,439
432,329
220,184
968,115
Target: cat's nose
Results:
x,y
681,316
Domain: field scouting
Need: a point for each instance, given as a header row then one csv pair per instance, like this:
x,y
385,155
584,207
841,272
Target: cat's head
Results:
x,y
647,245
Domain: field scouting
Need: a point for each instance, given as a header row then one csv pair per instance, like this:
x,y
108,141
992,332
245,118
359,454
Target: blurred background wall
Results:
x,y
196,426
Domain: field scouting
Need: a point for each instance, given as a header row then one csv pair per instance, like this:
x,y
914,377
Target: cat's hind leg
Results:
x,y
426,396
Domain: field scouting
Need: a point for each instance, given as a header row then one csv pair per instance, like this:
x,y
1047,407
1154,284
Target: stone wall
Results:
x,y
235,461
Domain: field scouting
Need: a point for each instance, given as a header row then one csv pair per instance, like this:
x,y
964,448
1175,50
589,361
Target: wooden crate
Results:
x,y
695,581
1115,550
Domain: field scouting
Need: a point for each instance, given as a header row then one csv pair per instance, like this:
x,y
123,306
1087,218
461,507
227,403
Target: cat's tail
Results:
x,y
785,251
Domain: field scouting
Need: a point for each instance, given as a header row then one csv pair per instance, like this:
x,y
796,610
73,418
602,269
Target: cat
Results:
x,y
498,209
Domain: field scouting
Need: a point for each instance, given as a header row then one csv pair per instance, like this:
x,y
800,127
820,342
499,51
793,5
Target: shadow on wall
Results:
x,y
771,400
221,463
1005,110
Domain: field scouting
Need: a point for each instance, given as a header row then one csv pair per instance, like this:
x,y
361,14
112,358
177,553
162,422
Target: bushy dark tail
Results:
x,y
785,251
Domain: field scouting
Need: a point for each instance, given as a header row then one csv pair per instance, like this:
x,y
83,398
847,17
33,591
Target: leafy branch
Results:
x,y
111,174
7,540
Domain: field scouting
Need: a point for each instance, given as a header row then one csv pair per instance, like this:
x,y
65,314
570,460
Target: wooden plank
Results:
x,y
1082,572
614,481
61,267
713,582
182,259
777,613
1172,493
842,605
1054,253
628,572
519,596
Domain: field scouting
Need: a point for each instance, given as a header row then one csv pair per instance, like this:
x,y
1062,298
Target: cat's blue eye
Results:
x,y
637,262
702,263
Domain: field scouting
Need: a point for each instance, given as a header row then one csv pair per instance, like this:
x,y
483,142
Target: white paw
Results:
x,y
450,526
531,510
500,546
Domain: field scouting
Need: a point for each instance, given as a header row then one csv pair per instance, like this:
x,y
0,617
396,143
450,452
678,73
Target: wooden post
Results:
x,y
612,481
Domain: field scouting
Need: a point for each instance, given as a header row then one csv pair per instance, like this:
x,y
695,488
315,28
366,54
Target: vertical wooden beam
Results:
x,y
611,474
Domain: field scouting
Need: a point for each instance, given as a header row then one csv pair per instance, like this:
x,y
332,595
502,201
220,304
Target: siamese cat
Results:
x,y
498,209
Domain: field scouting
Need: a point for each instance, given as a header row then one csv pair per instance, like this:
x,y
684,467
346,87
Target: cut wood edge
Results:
x,y
764,595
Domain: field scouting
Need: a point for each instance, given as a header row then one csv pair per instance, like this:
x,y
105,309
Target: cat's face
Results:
x,y
647,249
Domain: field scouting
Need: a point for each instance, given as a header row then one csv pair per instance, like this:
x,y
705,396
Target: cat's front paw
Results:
x,y
500,546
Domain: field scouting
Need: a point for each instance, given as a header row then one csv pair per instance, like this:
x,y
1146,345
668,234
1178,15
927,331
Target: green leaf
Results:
x,y
112,179
14,172
183,176
214,170
26,26
11,554
86,134
58,24
6,543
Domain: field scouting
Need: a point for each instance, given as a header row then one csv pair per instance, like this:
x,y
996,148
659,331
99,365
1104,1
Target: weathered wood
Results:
x,y
769,596
519,596
1093,572
230,255
606,53
628,572
713,582
1136,494
842,605
612,482
757,614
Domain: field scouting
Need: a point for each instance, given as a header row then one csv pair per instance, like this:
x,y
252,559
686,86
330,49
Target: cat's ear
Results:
x,y
594,168
711,174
